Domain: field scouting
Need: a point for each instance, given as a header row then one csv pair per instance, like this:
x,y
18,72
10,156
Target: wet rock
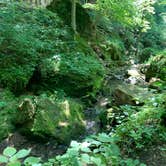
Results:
x,y
133,72
135,77
135,81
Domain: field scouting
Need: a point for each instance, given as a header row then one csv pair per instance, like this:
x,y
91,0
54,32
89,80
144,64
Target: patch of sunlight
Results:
x,y
66,108
80,119
56,59
103,102
63,124
89,6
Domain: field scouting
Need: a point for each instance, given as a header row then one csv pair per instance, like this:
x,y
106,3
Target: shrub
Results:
x,y
12,157
8,105
157,67
146,54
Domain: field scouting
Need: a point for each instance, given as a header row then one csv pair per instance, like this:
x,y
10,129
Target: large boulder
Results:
x,y
26,35
130,94
37,51
47,117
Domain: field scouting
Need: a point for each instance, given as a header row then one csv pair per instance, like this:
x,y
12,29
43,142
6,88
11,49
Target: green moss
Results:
x,y
157,67
76,73
84,23
61,119
37,41
26,35
7,110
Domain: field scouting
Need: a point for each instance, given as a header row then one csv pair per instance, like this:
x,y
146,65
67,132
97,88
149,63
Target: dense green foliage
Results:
x,y
157,67
8,106
25,45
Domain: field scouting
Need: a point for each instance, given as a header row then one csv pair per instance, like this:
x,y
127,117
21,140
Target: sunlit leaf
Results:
x,y
9,151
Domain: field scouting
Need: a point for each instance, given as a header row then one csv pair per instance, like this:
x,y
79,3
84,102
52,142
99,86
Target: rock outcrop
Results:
x,y
45,118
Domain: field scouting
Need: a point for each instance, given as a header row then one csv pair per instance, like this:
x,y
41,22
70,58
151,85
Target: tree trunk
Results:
x,y
73,16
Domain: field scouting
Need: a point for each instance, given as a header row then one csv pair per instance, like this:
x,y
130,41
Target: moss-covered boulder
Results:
x,y
26,35
157,67
130,94
47,117
7,113
38,50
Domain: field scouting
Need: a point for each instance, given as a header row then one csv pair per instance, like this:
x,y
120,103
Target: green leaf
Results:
x,y
85,158
85,149
15,163
13,158
104,138
22,153
142,164
74,144
96,151
51,160
136,162
9,151
32,160
96,160
3,159
96,143
115,149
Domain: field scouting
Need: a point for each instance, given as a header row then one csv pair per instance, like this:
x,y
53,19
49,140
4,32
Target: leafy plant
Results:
x,y
98,150
12,157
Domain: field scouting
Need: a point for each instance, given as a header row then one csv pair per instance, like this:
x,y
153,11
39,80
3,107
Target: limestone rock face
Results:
x,y
59,119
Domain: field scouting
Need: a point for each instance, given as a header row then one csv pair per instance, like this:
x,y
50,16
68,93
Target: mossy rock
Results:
x,y
26,35
130,94
157,67
8,107
61,119
37,50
